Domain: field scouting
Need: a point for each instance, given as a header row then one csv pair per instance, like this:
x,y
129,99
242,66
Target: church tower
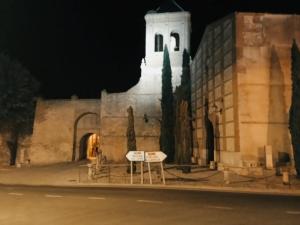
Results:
x,y
168,25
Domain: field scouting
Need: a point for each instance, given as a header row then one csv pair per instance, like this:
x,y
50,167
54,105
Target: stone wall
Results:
x,y
251,86
264,81
53,133
212,74
144,98
114,120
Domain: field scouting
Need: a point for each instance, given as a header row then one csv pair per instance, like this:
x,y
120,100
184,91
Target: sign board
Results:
x,y
155,156
136,156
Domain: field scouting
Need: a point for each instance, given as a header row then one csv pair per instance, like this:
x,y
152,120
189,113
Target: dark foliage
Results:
x,y
167,107
17,91
294,119
131,140
183,126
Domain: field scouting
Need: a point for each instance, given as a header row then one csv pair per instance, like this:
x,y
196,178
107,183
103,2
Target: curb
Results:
x,y
277,192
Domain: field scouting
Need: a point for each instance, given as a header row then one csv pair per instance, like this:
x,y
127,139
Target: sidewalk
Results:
x,y
76,175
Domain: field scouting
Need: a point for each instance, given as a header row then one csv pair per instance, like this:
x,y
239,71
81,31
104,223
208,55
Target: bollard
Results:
x,y
90,171
285,177
226,176
212,165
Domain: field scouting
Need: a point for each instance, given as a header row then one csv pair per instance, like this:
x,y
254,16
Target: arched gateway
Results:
x,y
85,137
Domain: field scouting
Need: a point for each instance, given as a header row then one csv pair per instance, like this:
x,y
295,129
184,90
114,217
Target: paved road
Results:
x,y
101,206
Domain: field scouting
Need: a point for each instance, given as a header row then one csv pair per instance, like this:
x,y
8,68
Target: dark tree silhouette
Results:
x,y
17,90
167,108
183,126
294,119
131,140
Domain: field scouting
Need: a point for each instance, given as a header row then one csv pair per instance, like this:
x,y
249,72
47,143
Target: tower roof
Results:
x,y
169,6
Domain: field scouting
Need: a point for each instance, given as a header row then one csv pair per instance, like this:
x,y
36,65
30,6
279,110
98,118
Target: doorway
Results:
x,y
210,141
88,146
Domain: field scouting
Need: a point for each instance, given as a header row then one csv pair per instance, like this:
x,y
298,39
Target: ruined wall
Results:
x,y
52,139
264,81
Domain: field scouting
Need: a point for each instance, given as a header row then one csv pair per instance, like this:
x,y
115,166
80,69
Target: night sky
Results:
x,y
83,46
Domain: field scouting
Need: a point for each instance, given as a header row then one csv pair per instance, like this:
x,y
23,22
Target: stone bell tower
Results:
x,y
167,25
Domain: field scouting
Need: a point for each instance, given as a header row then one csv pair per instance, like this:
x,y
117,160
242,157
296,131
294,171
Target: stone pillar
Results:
x,y
226,176
285,177
269,157
90,171
212,165
21,156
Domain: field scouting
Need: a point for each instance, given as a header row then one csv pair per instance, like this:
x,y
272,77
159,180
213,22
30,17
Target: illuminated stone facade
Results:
x,y
242,68
55,132
57,138
171,29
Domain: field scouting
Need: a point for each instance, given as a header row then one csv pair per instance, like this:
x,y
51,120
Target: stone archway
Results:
x,y
75,130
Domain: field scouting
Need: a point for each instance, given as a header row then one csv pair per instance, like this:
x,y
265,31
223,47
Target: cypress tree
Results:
x,y
183,132
131,140
294,119
186,78
167,108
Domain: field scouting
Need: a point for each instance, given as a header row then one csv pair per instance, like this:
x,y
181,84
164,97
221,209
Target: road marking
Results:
x,y
53,196
15,193
219,207
149,201
293,212
96,198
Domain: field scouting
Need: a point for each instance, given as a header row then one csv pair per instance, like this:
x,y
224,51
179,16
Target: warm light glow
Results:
x,y
92,146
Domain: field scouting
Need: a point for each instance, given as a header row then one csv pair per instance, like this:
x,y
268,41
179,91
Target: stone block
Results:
x,y
218,92
230,145
199,123
229,115
230,129
199,113
228,73
218,80
210,85
228,30
227,45
228,101
228,59
217,56
217,67
228,87
199,133
211,96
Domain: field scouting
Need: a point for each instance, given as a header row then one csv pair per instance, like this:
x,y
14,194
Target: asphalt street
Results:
x,y
21,205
